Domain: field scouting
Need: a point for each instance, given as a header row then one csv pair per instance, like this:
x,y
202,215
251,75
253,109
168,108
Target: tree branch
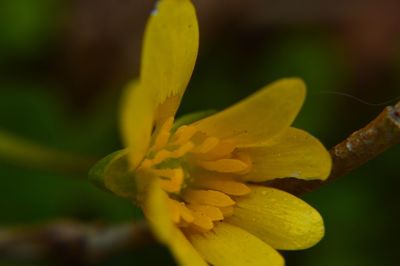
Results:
x,y
363,145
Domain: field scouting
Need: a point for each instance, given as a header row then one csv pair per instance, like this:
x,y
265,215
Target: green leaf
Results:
x,y
112,173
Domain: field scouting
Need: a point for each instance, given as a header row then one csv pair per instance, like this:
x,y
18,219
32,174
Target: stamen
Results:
x,y
213,213
186,214
163,135
170,173
174,208
171,179
202,222
169,186
224,165
207,145
227,186
146,164
207,197
222,150
165,154
182,150
183,134
244,157
227,211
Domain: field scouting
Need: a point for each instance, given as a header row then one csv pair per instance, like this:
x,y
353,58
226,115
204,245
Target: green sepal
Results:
x,y
191,118
113,174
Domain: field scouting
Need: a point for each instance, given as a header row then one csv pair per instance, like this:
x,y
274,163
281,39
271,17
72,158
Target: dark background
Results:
x,y
63,64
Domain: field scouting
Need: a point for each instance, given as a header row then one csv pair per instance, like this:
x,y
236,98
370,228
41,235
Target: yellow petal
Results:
x,y
260,117
157,209
169,53
278,218
157,212
294,154
136,121
228,245
183,251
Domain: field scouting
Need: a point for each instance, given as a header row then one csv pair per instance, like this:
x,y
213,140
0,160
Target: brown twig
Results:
x,y
361,146
71,242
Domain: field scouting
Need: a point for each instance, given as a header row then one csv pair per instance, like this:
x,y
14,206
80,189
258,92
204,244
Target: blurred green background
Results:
x,y
63,64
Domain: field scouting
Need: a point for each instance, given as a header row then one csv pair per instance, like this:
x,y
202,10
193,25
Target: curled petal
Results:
x,y
158,213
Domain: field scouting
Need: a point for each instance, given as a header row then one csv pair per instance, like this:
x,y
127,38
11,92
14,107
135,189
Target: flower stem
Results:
x,y
22,152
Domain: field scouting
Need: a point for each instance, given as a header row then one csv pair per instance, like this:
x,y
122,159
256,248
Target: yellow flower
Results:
x,y
197,183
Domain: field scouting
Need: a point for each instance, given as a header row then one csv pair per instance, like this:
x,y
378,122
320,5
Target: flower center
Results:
x,y
201,174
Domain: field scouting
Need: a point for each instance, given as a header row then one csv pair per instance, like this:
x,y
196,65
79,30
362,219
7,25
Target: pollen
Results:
x,y
201,174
